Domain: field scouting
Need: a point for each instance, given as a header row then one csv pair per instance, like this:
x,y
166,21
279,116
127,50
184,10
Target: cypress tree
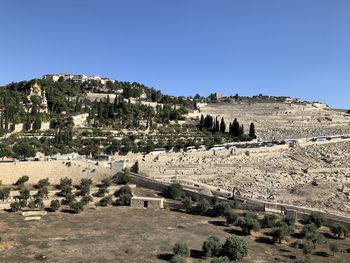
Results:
x,y
236,129
222,125
252,134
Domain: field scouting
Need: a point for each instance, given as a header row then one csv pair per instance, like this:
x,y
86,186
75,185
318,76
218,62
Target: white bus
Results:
x,y
218,147
158,151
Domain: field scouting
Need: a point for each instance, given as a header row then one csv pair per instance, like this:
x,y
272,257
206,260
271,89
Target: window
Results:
x,y
145,204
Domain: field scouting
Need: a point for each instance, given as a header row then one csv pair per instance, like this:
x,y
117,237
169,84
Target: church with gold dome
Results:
x,y
39,95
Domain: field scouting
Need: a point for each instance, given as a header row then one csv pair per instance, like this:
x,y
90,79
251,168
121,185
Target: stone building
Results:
x,y
147,202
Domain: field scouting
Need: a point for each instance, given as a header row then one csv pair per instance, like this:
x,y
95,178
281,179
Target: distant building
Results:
x,y
36,91
75,77
216,96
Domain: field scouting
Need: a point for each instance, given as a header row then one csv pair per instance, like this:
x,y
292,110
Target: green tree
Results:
x,y
334,248
309,231
54,205
280,232
175,191
231,217
124,200
4,193
221,208
23,150
76,207
269,221
24,194
252,134
222,125
86,199
105,201
211,247
203,206
181,249
187,203
339,230
125,178
123,190
248,223
316,218
15,206
22,180
235,248
43,183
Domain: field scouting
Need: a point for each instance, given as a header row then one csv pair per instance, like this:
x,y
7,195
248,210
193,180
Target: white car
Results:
x,y
217,148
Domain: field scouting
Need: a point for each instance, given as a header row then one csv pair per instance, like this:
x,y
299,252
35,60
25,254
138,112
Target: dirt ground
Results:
x,y
124,234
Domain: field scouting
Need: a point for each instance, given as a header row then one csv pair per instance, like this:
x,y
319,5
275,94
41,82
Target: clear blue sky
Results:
x,y
299,48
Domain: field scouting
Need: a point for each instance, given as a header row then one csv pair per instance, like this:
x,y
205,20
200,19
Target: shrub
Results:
x,y
187,203
174,191
268,221
68,199
43,183
24,194
123,190
4,193
54,205
211,247
221,208
235,248
76,207
125,178
181,249
22,180
177,259
42,192
135,168
307,247
39,203
22,203
66,189
85,186
231,218
316,218
309,231
289,221
124,200
86,199
105,201
15,206
220,260
32,205
334,248
65,182
248,223
339,230
106,183
101,191
279,233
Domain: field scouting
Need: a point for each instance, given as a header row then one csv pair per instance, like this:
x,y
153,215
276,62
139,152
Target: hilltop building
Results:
x,y
75,77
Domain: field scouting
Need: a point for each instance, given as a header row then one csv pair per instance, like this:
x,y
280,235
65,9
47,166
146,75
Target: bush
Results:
x,y
76,207
105,201
54,205
123,190
269,221
289,221
181,249
32,205
39,203
220,260
177,259
235,248
4,193
66,189
307,247
221,208
211,247
106,183
203,207
309,231
124,200
43,183
65,182
85,186
22,203
187,203
279,233
125,178
86,199
231,218
101,191
68,199
15,206
339,230
135,168
248,223
24,194
334,248
42,192
174,191
316,218
22,180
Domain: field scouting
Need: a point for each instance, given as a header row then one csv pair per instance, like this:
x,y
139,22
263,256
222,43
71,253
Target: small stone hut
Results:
x,y
147,202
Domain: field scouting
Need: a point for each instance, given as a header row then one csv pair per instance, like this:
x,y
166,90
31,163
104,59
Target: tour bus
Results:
x,y
218,147
158,151
190,149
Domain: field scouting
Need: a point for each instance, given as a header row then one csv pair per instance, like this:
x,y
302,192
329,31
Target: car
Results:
x,y
217,148
191,149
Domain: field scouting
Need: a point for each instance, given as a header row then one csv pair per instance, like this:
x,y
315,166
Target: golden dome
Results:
x,y
36,88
